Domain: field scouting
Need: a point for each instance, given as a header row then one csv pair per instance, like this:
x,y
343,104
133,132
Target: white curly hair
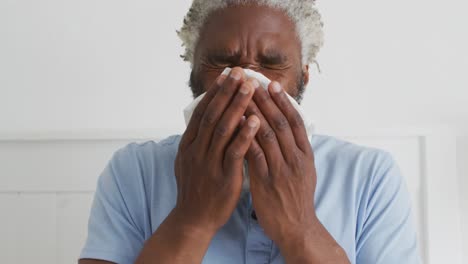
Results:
x,y
303,13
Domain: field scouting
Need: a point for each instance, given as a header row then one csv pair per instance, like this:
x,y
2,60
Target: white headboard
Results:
x,y
47,183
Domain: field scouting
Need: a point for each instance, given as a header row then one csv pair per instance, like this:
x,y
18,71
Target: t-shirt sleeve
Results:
x,y
387,234
114,233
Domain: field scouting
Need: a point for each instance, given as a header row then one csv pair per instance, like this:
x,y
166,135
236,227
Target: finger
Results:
x,y
276,119
232,116
235,153
242,122
257,162
266,137
192,128
294,118
218,105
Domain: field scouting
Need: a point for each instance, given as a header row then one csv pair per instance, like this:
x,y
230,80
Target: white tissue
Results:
x,y
264,82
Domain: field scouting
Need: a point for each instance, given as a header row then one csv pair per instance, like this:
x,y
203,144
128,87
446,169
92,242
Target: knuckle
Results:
x,y
209,119
238,106
297,156
297,121
197,114
262,97
253,110
299,165
244,136
281,123
228,88
268,135
235,154
283,101
286,105
221,130
258,155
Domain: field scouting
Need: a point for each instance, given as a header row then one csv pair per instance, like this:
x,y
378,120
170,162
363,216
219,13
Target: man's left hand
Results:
x,y
283,179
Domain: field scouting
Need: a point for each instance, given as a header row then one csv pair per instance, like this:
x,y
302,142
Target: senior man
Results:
x,y
311,200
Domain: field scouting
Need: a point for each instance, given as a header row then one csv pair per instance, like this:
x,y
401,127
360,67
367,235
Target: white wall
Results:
x,y
74,67
103,63
57,185
462,154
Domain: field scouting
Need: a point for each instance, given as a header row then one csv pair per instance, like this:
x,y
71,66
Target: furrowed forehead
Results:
x,y
233,28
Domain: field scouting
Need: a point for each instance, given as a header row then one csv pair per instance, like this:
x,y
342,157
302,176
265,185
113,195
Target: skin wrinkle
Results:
x,y
198,87
303,13
210,194
251,48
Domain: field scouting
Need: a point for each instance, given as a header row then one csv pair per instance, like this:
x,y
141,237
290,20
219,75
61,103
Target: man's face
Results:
x,y
255,37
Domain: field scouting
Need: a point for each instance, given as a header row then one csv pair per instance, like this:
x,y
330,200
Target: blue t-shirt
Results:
x,y
360,198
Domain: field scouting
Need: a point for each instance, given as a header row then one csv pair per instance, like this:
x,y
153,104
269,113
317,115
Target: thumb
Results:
x,y
258,168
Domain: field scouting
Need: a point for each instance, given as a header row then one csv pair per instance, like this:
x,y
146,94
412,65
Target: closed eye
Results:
x,y
274,60
221,59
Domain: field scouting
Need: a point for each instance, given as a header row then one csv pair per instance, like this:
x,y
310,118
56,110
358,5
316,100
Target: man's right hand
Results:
x,y
209,163
209,172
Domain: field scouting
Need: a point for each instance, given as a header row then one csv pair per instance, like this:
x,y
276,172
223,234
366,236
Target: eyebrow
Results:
x,y
271,57
224,55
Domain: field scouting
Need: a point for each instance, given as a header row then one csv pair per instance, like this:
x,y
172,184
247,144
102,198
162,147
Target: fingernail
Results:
x,y
245,89
236,75
276,87
242,122
221,79
255,83
226,72
253,123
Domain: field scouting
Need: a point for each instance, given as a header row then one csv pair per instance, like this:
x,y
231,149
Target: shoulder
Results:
x,y
148,147
143,152
355,171
332,150
135,164
121,215
366,178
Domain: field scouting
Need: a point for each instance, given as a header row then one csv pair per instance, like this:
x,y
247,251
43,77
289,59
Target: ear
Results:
x,y
305,71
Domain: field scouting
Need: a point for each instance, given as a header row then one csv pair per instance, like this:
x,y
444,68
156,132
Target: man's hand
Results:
x,y
209,172
283,180
209,164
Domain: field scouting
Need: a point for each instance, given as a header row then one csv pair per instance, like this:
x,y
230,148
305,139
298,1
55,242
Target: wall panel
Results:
x,y
47,187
